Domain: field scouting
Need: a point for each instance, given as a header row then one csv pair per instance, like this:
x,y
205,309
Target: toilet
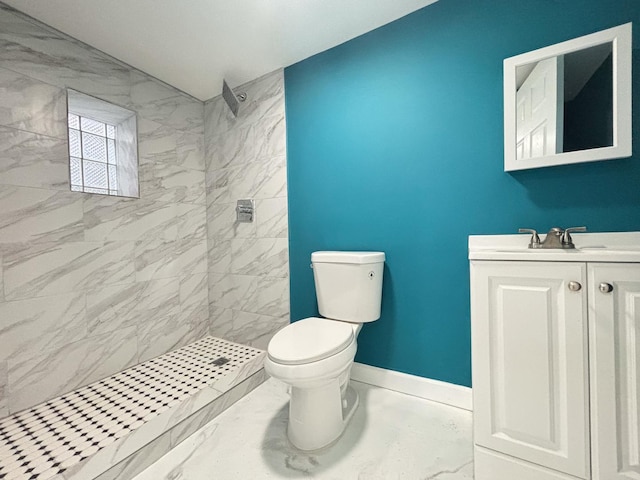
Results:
x,y
314,355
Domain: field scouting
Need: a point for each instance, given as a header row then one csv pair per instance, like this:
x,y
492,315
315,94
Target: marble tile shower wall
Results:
x,y
248,262
90,285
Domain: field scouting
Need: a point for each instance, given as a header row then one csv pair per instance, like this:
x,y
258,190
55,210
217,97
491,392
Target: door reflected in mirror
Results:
x,y
570,102
565,103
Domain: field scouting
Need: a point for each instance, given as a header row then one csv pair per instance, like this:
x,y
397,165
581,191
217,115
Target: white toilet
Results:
x,y
314,355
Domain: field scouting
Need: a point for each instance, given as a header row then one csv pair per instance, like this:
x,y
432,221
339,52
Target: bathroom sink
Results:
x,y
534,250
611,248
606,247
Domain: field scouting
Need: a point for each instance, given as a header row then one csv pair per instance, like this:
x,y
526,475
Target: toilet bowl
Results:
x,y
314,355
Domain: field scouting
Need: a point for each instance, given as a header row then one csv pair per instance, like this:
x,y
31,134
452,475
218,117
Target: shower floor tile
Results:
x,y
391,436
49,438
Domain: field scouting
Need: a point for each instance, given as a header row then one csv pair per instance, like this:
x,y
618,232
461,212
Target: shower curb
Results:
x,y
160,446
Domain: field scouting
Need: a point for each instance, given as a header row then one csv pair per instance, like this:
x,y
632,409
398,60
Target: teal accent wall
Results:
x,y
395,143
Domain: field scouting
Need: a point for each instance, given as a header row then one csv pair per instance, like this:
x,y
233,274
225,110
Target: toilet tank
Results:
x,y
348,284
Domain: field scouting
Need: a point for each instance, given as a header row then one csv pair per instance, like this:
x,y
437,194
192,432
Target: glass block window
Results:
x,y
103,146
93,158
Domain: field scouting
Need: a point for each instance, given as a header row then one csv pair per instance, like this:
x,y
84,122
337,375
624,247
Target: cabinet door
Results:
x,y
529,362
614,357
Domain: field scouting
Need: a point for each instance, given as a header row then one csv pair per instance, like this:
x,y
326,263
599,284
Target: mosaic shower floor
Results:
x,y
43,441
391,436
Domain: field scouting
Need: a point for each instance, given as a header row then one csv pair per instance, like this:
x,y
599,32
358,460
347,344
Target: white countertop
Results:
x,y
590,247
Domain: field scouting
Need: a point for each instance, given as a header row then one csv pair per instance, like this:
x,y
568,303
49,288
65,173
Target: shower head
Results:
x,y
233,100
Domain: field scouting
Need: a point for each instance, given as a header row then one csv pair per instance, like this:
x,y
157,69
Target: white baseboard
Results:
x,y
435,390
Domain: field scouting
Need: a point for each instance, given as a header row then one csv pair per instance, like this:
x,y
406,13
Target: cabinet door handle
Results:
x,y
606,287
574,286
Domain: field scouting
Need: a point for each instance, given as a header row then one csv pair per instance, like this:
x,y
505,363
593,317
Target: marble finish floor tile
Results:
x,y
391,436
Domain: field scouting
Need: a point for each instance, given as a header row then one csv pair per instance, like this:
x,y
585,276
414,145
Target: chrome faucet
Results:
x,y
556,237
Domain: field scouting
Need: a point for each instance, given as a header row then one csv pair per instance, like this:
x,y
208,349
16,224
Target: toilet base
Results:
x,y
349,404
318,416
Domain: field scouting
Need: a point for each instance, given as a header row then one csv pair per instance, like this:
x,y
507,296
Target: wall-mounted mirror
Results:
x,y
570,102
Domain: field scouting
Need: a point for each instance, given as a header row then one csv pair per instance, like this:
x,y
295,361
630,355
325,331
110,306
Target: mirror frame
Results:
x,y
620,37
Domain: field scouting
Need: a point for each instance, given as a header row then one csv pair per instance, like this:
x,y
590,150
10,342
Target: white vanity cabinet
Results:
x,y
529,336
556,361
614,368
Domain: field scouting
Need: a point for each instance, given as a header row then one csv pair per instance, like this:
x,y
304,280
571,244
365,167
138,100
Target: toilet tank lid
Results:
x,y
347,257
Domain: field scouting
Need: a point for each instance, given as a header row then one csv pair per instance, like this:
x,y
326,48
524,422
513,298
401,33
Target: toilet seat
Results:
x,y
309,340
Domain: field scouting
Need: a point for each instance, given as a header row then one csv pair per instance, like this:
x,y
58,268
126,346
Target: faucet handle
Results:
x,y
566,237
535,239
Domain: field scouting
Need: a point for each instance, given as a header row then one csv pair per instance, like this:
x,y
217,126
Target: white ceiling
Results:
x,y
193,44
